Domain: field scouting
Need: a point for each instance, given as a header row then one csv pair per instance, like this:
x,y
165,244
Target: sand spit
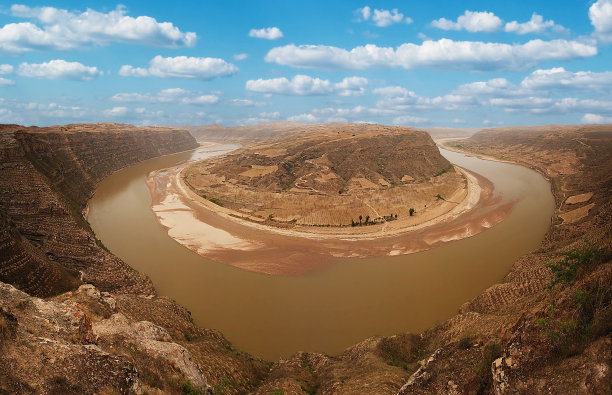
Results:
x,y
222,235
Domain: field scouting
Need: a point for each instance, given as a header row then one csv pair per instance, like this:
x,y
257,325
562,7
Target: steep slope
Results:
x,y
329,177
46,176
546,328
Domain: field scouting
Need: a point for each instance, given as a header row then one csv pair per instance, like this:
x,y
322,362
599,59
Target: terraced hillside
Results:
x,y
330,178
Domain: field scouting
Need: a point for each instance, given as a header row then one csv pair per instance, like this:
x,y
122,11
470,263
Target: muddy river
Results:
x,y
339,305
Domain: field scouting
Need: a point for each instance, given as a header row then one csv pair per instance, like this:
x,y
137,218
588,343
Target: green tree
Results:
x,y
360,218
412,211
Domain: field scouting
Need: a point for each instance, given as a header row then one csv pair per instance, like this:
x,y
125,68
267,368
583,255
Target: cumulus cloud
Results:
x,y
331,114
600,14
245,103
548,105
500,87
261,118
6,69
181,67
267,33
65,30
240,56
172,95
441,54
400,99
410,120
305,118
116,112
536,24
472,21
595,118
558,78
382,18
304,85
6,81
58,69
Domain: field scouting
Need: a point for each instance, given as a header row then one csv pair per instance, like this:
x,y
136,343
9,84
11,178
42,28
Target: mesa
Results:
x,y
347,179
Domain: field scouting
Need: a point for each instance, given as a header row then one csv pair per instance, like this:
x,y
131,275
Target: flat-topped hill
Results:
x,y
329,176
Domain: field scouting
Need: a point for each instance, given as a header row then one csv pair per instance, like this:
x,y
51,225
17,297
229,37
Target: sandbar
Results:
x,y
220,234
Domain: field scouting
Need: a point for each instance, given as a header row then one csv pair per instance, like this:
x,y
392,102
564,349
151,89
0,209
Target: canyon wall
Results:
x,y
46,176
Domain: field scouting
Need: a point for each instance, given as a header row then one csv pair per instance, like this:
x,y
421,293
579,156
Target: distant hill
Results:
x,y
260,132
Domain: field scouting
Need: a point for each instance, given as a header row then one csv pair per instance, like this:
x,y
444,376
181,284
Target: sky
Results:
x,y
427,63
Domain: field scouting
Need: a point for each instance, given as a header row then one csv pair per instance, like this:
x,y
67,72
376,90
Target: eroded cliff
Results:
x,y
46,177
544,329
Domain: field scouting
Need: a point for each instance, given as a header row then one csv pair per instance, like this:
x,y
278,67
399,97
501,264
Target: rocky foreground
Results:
x,y
75,319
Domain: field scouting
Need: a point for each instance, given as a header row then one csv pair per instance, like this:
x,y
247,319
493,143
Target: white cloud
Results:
x,y
351,86
116,112
600,14
268,33
441,54
240,56
6,69
303,85
499,87
365,12
261,118
548,105
595,118
409,120
182,67
558,78
472,21
459,121
330,114
245,103
6,81
305,118
172,95
58,69
536,24
383,18
64,30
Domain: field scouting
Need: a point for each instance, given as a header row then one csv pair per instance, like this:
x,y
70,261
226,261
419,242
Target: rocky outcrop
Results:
x,y
84,346
540,331
46,176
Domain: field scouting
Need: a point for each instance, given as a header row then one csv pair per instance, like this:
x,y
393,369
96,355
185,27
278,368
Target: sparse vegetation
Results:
x,y
311,390
465,342
189,389
490,353
215,201
412,211
565,271
446,170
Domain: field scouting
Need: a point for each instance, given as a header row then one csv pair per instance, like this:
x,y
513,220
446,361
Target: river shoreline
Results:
x,y
221,235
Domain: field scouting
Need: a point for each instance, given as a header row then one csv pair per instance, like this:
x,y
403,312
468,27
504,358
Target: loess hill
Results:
x,y
537,331
329,177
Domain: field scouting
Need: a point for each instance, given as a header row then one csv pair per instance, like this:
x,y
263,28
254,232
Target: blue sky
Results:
x,y
438,63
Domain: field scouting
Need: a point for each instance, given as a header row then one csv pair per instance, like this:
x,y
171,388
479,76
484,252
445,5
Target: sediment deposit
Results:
x,y
536,331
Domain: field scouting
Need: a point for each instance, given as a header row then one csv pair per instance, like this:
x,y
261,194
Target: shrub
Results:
x,y
566,271
465,342
310,390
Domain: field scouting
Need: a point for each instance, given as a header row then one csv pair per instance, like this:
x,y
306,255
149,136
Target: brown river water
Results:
x,y
343,303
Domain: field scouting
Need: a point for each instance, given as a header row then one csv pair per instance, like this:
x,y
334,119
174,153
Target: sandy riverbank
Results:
x,y
221,234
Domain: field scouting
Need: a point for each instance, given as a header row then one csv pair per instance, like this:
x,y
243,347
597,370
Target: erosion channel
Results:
x,y
345,301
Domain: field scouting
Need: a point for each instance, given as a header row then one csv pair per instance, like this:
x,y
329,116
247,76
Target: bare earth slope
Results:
x,y
330,177
46,177
519,336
